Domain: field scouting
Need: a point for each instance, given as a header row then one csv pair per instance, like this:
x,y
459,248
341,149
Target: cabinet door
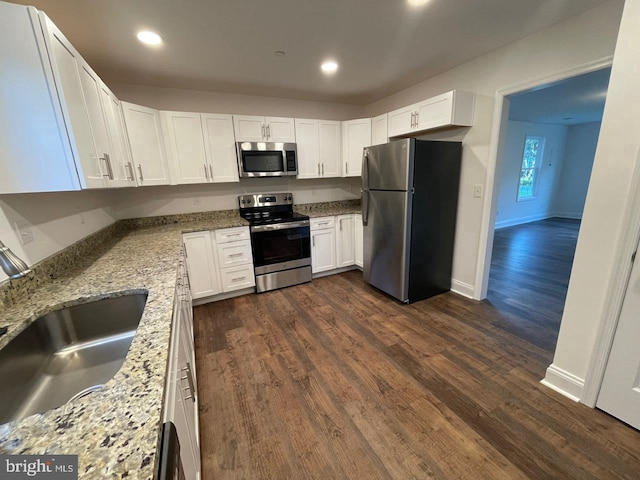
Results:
x,y
379,130
117,167
91,87
124,166
330,148
359,240
249,128
35,150
147,145
435,112
323,250
280,129
356,135
400,122
203,274
185,147
220,146
345,244
308,148
64,62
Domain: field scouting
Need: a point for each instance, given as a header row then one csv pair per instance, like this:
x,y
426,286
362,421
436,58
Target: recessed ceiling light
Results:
x,y
417,3
329,67
150,38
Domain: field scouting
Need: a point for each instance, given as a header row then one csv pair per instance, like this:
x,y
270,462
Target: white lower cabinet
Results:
x,y
219,261
181,397
359,240
323,244
345,246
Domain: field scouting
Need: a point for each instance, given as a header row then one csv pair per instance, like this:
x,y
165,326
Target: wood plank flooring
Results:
x,y
333,379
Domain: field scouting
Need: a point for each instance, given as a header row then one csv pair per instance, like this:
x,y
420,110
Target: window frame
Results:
x,y
535,169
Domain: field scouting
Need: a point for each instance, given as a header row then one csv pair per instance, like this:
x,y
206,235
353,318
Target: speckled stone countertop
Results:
x,y
115,429
328,209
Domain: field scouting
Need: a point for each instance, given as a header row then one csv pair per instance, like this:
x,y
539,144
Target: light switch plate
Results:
x,y
478,190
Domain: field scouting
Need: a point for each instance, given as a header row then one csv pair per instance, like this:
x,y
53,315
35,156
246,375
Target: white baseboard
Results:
x,y
223,296
564,382
534,218
462,288
337,270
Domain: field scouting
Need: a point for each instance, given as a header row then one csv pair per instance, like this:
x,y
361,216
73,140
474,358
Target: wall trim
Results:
x,y
462,288
534,218
490,203
563,382
223,296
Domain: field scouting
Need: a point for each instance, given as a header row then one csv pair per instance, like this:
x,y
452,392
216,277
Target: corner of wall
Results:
x,y
563,382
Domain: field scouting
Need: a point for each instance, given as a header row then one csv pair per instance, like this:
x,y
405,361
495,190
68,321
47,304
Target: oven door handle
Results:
x,y
279,226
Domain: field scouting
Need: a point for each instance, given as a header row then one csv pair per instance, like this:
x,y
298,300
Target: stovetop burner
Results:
x,y
268,208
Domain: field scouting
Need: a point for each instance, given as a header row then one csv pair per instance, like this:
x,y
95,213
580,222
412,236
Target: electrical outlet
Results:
x,y
478,190
25,233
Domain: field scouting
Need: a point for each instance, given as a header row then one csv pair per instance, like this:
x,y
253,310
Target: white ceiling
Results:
x,y
571,102
227,45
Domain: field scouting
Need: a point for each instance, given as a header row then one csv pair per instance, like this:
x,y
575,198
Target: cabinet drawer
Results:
x,y
323,222
232,234
234,253
235,278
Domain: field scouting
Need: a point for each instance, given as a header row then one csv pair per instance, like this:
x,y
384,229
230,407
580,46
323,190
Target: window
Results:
x,y
531,161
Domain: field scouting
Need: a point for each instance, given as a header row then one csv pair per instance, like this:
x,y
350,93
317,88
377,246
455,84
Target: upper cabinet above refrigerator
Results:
x,y
451,109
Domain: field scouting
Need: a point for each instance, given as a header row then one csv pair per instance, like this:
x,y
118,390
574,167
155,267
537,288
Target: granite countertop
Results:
x,y
115,429
328,209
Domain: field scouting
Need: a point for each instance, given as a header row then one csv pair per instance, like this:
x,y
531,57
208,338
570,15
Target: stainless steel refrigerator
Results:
x,y
409,204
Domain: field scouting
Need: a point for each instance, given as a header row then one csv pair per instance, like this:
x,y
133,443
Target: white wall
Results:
x,y
170,200
577,41
511,211
602,233
571,191
176,99
56,221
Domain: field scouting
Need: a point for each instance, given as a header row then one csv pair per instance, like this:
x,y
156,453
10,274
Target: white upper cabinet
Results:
x,y
220,147
330,148
147,144
36,154
308,148
83,115
185,147
453,108
201,147
356,135
120,167
264,129
379,130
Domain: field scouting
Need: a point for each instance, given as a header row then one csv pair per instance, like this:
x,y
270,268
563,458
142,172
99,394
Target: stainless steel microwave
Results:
x,y
267,159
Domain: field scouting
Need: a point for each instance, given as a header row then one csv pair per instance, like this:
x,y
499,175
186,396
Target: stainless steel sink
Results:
x,y
66,354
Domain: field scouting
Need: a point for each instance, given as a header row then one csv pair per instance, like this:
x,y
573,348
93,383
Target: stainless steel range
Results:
x,y
280,239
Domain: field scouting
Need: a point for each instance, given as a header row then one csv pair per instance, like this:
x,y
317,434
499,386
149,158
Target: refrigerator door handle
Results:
x,y
365,207
365,170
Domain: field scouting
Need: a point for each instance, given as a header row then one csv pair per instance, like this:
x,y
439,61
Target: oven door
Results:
x,y
281,246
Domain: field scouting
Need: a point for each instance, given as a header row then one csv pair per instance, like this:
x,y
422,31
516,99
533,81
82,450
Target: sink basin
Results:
x,y
66,354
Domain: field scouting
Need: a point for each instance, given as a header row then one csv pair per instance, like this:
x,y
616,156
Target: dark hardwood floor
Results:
x,y
333,379
529,276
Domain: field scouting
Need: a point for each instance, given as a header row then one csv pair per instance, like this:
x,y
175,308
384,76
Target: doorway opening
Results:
x,y
546,152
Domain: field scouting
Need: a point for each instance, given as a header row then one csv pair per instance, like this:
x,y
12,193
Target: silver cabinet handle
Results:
x,y
189,378
341,224
109,166
105,175
323,169
411,120
140,171
324,223
264,134
206,171
132,175
346,167
232,234
268,131
211,172
417,119
318,169
235,254
238,279
313,239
